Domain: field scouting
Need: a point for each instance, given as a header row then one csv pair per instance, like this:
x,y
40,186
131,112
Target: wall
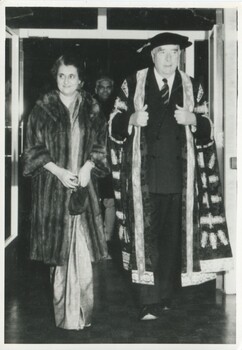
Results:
x,y
230,127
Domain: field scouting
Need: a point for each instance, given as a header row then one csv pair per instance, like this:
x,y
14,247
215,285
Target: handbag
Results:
x,y
78,201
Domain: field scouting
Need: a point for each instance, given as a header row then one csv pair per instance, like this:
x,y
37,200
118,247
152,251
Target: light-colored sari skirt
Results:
x,y
73,282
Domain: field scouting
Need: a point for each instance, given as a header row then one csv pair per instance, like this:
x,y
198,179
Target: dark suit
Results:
x,y
164,138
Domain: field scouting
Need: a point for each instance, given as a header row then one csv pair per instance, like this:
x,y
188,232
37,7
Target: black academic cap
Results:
x,y
166,39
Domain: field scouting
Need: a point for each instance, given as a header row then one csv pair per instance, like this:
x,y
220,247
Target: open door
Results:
x,y
222,109
13,133
216,104
230,132
216,92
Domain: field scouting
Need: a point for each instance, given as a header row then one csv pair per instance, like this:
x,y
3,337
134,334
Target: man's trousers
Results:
x,y
165,248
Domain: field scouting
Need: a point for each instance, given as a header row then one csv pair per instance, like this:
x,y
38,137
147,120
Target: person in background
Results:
x,y
66,150
168,196
104,93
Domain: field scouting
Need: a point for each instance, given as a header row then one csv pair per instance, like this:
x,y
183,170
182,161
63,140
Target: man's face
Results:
x,y
104,90
166,59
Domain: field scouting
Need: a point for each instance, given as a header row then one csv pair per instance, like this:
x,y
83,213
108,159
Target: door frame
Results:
x,y
15,117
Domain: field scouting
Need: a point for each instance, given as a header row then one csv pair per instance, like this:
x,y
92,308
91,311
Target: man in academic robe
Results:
x,y
167,189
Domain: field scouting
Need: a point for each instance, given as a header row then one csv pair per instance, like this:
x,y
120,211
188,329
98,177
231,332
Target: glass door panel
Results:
x,y
11,134
216,54
8,133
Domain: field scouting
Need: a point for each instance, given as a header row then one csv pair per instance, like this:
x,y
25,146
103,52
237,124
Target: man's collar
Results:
x,y
159,79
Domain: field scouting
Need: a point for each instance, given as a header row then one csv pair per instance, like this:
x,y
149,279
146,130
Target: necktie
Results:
x,y
165,92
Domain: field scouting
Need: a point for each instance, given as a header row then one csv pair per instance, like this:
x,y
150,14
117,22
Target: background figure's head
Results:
x,y
104,87
165,50
68,72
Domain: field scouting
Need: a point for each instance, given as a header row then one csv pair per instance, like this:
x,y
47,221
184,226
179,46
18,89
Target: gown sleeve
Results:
x,y
119,128
204,128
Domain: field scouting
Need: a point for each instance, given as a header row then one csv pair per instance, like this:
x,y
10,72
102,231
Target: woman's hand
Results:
x,y
67,178
84,175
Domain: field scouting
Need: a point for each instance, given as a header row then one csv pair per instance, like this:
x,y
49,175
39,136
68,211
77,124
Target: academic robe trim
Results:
x,y
198,263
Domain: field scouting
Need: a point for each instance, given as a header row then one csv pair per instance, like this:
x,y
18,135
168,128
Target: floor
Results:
x,y
201,315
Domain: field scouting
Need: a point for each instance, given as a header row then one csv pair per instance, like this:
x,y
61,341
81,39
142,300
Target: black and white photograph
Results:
x,y
120,169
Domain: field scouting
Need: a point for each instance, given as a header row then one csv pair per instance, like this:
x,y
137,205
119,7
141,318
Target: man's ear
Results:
x,y
152,55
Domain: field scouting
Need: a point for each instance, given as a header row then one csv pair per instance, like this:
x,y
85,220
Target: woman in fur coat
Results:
x,y
66,148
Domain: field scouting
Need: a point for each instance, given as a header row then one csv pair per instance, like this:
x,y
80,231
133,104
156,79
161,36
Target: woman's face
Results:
x,y
67,80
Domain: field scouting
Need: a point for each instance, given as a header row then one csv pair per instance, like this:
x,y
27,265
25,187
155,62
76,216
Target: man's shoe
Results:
x,y
148,313
165,304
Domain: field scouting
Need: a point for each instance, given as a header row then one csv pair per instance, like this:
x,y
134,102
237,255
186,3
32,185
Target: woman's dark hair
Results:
x,y
69,60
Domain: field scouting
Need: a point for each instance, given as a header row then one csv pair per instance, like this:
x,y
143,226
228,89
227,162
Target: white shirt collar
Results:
x,y
160,82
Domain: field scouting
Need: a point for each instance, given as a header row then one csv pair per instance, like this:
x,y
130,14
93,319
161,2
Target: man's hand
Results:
x,y
184,117
139,118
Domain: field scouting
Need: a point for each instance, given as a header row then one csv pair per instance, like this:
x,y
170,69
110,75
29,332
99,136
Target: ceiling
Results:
x,y
117,18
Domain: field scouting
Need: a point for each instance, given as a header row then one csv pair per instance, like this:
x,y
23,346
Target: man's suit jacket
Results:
x,y
165,138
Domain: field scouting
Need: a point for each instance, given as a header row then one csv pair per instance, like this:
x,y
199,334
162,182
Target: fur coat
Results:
x,y
48,140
